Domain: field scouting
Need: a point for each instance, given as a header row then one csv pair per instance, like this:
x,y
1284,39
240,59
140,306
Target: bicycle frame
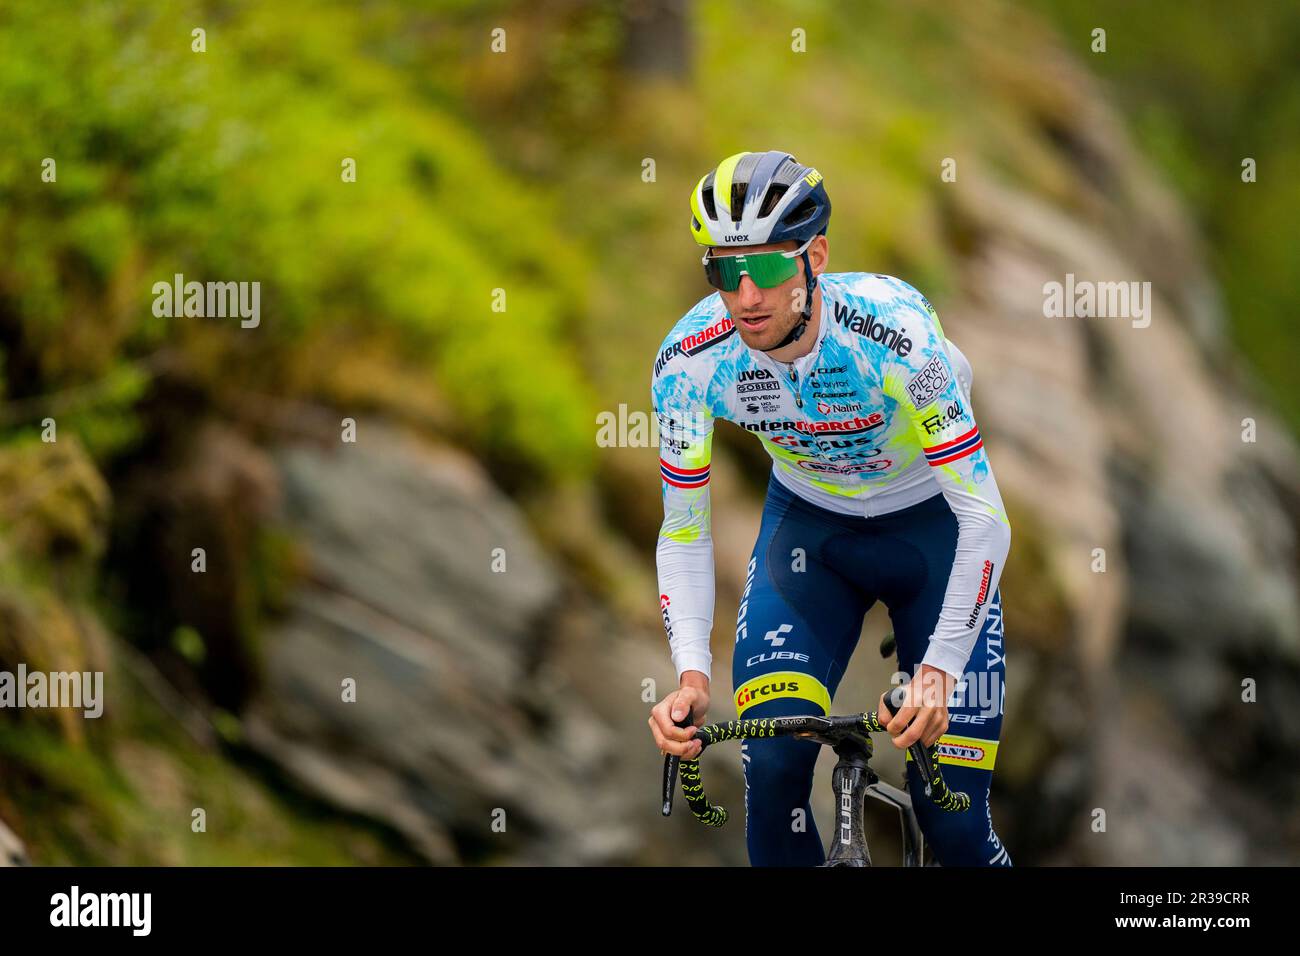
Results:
x,y
853,782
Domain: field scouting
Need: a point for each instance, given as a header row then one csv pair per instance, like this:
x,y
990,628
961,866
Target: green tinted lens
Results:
x,y
723,273
767,269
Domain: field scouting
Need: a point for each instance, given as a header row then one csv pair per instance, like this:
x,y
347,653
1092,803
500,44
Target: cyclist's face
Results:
x,y
764,317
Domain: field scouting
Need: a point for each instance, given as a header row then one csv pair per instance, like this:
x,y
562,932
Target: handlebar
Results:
x,y
826,730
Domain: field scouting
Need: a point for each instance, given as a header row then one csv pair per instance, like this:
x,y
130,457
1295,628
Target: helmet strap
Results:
x,y
796,333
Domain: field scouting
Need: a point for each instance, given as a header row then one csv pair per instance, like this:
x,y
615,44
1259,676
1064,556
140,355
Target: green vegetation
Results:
x,y
228,165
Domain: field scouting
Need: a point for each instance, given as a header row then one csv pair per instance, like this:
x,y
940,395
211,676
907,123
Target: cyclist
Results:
x,y
880,489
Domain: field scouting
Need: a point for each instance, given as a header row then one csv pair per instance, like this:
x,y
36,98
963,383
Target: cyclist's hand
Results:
x,y
924,715
692,697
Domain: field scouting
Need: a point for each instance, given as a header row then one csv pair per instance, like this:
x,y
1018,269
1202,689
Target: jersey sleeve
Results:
x,y
684,554
935,396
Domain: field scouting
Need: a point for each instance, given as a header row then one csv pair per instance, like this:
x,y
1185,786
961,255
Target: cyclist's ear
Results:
x,y
818,254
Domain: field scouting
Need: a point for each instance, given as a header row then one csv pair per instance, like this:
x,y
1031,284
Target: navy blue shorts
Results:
x,y
812,578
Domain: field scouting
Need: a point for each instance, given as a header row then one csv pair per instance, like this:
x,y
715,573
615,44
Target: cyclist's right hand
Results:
x,y
691,698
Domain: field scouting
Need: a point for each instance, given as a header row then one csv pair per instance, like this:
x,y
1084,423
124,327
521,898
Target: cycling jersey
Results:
x,y
874,419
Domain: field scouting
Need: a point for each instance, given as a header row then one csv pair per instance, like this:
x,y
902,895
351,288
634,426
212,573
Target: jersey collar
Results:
x,y
802,363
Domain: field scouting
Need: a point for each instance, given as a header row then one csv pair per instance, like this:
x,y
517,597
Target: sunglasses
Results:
x,y
766,269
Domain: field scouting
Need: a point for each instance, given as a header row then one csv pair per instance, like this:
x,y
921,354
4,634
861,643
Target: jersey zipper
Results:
x,y
794,386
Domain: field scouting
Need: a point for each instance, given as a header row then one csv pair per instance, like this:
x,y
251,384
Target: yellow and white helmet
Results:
x,y
752,199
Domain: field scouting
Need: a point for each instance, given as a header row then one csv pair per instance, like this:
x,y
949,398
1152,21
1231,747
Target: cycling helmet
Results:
x,y
755,198
752,199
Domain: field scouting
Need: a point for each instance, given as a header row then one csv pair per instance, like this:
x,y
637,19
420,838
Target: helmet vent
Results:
x,y
801,213
787,173
706,190
738,191
774,194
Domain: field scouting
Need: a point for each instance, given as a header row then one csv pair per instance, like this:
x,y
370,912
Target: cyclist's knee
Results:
x,y
960,839
779,770
783,764
964,839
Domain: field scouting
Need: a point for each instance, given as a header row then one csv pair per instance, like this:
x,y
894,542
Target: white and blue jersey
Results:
x,y
875,419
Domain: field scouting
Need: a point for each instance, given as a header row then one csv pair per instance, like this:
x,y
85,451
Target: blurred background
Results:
x,y
402,475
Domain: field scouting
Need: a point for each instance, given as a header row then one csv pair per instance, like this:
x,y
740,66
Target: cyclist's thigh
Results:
x,y
797,624
925,549
798,620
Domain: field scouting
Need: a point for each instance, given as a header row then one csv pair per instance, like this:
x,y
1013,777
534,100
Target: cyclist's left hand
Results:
x,y
924,715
